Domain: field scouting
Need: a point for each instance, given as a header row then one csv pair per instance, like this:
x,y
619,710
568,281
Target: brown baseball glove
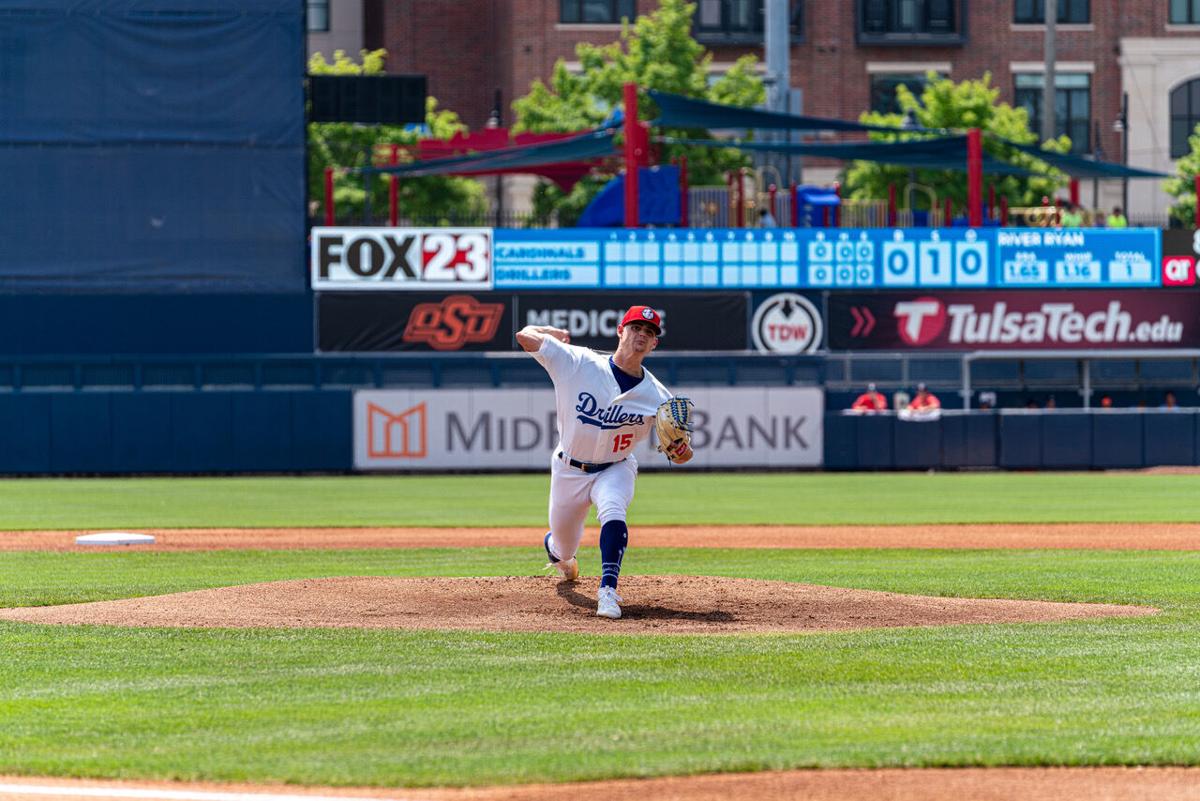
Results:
x,y
673,424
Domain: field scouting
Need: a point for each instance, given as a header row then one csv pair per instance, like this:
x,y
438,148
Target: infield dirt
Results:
x,y
653,605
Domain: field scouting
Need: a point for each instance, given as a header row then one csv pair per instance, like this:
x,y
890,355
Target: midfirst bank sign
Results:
x,y
507,429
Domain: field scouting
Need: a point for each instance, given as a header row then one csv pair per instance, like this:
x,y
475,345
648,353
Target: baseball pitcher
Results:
x,y
606,405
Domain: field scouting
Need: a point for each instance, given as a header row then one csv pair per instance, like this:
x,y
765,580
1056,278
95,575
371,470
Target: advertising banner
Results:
x,y
400,321
1181,248
509,429
384,259
1084,320
401,258
786,323
707,321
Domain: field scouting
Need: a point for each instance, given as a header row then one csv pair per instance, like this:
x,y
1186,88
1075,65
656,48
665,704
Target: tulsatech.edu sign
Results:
x,y
507,429
1145,319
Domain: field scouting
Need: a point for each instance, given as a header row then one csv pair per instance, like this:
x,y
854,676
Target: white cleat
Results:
x,y
568,569
607,603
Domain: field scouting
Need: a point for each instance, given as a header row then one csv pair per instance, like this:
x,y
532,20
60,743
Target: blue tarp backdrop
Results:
x,y
152,147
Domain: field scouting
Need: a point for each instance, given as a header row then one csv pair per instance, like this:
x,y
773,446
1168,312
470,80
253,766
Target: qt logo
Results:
x,y
1178,271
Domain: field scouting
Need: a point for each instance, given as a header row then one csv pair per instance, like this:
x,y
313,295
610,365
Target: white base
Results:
x,y
114,538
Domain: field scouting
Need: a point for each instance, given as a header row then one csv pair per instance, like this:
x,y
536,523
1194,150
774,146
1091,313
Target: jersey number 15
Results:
x,y
621,442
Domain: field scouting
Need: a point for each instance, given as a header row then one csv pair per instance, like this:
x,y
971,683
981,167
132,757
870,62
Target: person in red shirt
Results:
x,y
924,401
870,401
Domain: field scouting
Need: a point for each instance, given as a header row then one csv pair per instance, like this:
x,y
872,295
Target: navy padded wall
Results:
x,y
157,146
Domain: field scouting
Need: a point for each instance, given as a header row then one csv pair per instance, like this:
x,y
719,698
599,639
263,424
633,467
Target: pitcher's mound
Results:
x,y
652,605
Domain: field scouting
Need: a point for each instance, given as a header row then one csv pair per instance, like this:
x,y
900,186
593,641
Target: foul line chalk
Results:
x,y
168,795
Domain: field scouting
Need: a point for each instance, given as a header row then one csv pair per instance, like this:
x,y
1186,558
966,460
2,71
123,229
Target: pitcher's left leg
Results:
x,y
612,495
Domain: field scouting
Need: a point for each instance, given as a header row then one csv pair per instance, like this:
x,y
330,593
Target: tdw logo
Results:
x,y
920,321
456,321
786,323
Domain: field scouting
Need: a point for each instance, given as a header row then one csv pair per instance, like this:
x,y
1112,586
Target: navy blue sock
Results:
x,y
614,537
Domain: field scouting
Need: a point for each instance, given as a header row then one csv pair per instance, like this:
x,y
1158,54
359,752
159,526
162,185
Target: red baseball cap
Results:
x,y
642,314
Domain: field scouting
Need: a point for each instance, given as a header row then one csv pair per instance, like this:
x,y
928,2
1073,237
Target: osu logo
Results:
x,y
920,321
1179,270
786,323
458,320
396,435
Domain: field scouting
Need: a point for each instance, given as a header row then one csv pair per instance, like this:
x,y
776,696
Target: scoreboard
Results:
x,y
724,258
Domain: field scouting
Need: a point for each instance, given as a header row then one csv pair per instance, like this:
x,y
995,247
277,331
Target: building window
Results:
x,y
883,90
318,15
907,17
1070,12
1185,12
608,12
1072,105
1185,115
720,21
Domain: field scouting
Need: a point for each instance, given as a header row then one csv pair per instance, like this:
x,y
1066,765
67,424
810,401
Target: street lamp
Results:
x,y
1121,126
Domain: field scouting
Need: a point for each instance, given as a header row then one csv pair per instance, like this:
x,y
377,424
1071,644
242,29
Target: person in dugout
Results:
x,y
924,401
870,401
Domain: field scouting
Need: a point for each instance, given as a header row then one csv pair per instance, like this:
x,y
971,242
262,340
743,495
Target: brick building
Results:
x,y
1149,49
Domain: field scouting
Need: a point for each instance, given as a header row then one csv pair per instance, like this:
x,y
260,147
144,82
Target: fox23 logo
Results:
x,y
401,258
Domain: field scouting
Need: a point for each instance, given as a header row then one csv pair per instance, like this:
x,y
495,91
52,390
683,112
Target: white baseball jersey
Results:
x,y
596,421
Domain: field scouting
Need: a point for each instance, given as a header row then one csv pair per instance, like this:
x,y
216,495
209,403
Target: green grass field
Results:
x,y
425,708
662,498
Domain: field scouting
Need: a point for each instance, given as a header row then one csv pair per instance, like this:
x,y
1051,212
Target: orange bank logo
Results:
x,y
399,435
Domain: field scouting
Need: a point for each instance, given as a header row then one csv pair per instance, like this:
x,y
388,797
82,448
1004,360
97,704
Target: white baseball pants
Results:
x,y
572,491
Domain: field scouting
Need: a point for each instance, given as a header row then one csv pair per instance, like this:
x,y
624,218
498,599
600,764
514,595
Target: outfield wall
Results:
x,y
115,433
1014,440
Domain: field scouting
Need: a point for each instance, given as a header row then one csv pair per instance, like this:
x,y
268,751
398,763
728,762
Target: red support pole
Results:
x,y
948,213
683,192
1197,181
632,137
394,190
837,210
1004,210
991,201
794,192
741,197
329,216
891,217
974,178
1074,191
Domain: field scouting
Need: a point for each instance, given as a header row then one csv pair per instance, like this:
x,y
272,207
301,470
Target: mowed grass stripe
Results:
x,y
662,498
408,708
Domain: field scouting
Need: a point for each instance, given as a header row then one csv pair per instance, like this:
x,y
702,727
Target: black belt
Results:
x,y
587,467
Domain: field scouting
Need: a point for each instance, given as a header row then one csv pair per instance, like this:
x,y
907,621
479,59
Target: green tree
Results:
x,y
949,105
1183,185
348,146
656,52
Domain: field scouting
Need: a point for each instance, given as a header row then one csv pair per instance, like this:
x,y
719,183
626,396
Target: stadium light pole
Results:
x,y
1049,79
910,124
